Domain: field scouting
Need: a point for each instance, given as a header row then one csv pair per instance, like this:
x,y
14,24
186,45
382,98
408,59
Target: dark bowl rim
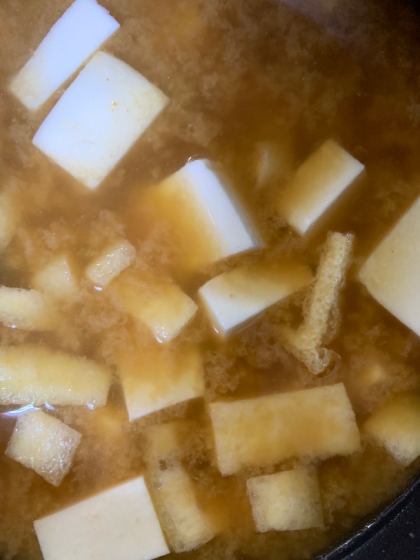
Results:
x,y
370,525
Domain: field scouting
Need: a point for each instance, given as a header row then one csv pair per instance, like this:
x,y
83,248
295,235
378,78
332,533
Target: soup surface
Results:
x,y
243,77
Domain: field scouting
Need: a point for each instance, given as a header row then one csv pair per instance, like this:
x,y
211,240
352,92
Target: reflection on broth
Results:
x,y
197,258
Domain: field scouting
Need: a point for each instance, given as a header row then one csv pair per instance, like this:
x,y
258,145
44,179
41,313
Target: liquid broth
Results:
x,y
239,73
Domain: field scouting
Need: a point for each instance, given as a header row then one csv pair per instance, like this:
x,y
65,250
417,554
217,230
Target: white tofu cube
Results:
x,y
44,444
57,279
317,184
159,378
156,302
286,501
236,297
183,521
118,523
198,204
396,426
9,219
38,375
112,260
24,309
391,272
322,304
72,39
97,120
316,422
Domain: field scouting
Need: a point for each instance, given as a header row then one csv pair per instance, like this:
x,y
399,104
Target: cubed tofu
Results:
x,y
44,444
9,218
234,298
72,39
286,501
156,302
315,423
118,523
317,184
97,120
24,309
158,378
183,520
111,261
322,304
205,221
37,375
391,272
396,426
57,279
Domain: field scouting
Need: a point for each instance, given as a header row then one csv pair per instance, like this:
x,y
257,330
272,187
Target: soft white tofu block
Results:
x,y
183,521
286,501
57,279
97,120
391,272
118,523
112,260
235,297
207,223
44,444
9,219
158,378
24,309
72,39
316,422
317,184
156,302
37,375
396,426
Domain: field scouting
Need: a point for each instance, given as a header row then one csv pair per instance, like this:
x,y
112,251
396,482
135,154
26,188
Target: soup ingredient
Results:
x,y
391,272
198,203
45,444
286,501
81,30
183,520
97,120
317,184
24,309
112,260
118,523
235,297
317,422
159,377
37,375
369,381
9,218
322,306
396,426
271,162
57,279
157,302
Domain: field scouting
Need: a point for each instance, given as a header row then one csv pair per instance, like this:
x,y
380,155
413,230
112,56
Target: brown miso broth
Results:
x,y
240,74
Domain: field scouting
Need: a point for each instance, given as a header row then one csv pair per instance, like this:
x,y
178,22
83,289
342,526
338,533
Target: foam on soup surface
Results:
x,y
253,89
